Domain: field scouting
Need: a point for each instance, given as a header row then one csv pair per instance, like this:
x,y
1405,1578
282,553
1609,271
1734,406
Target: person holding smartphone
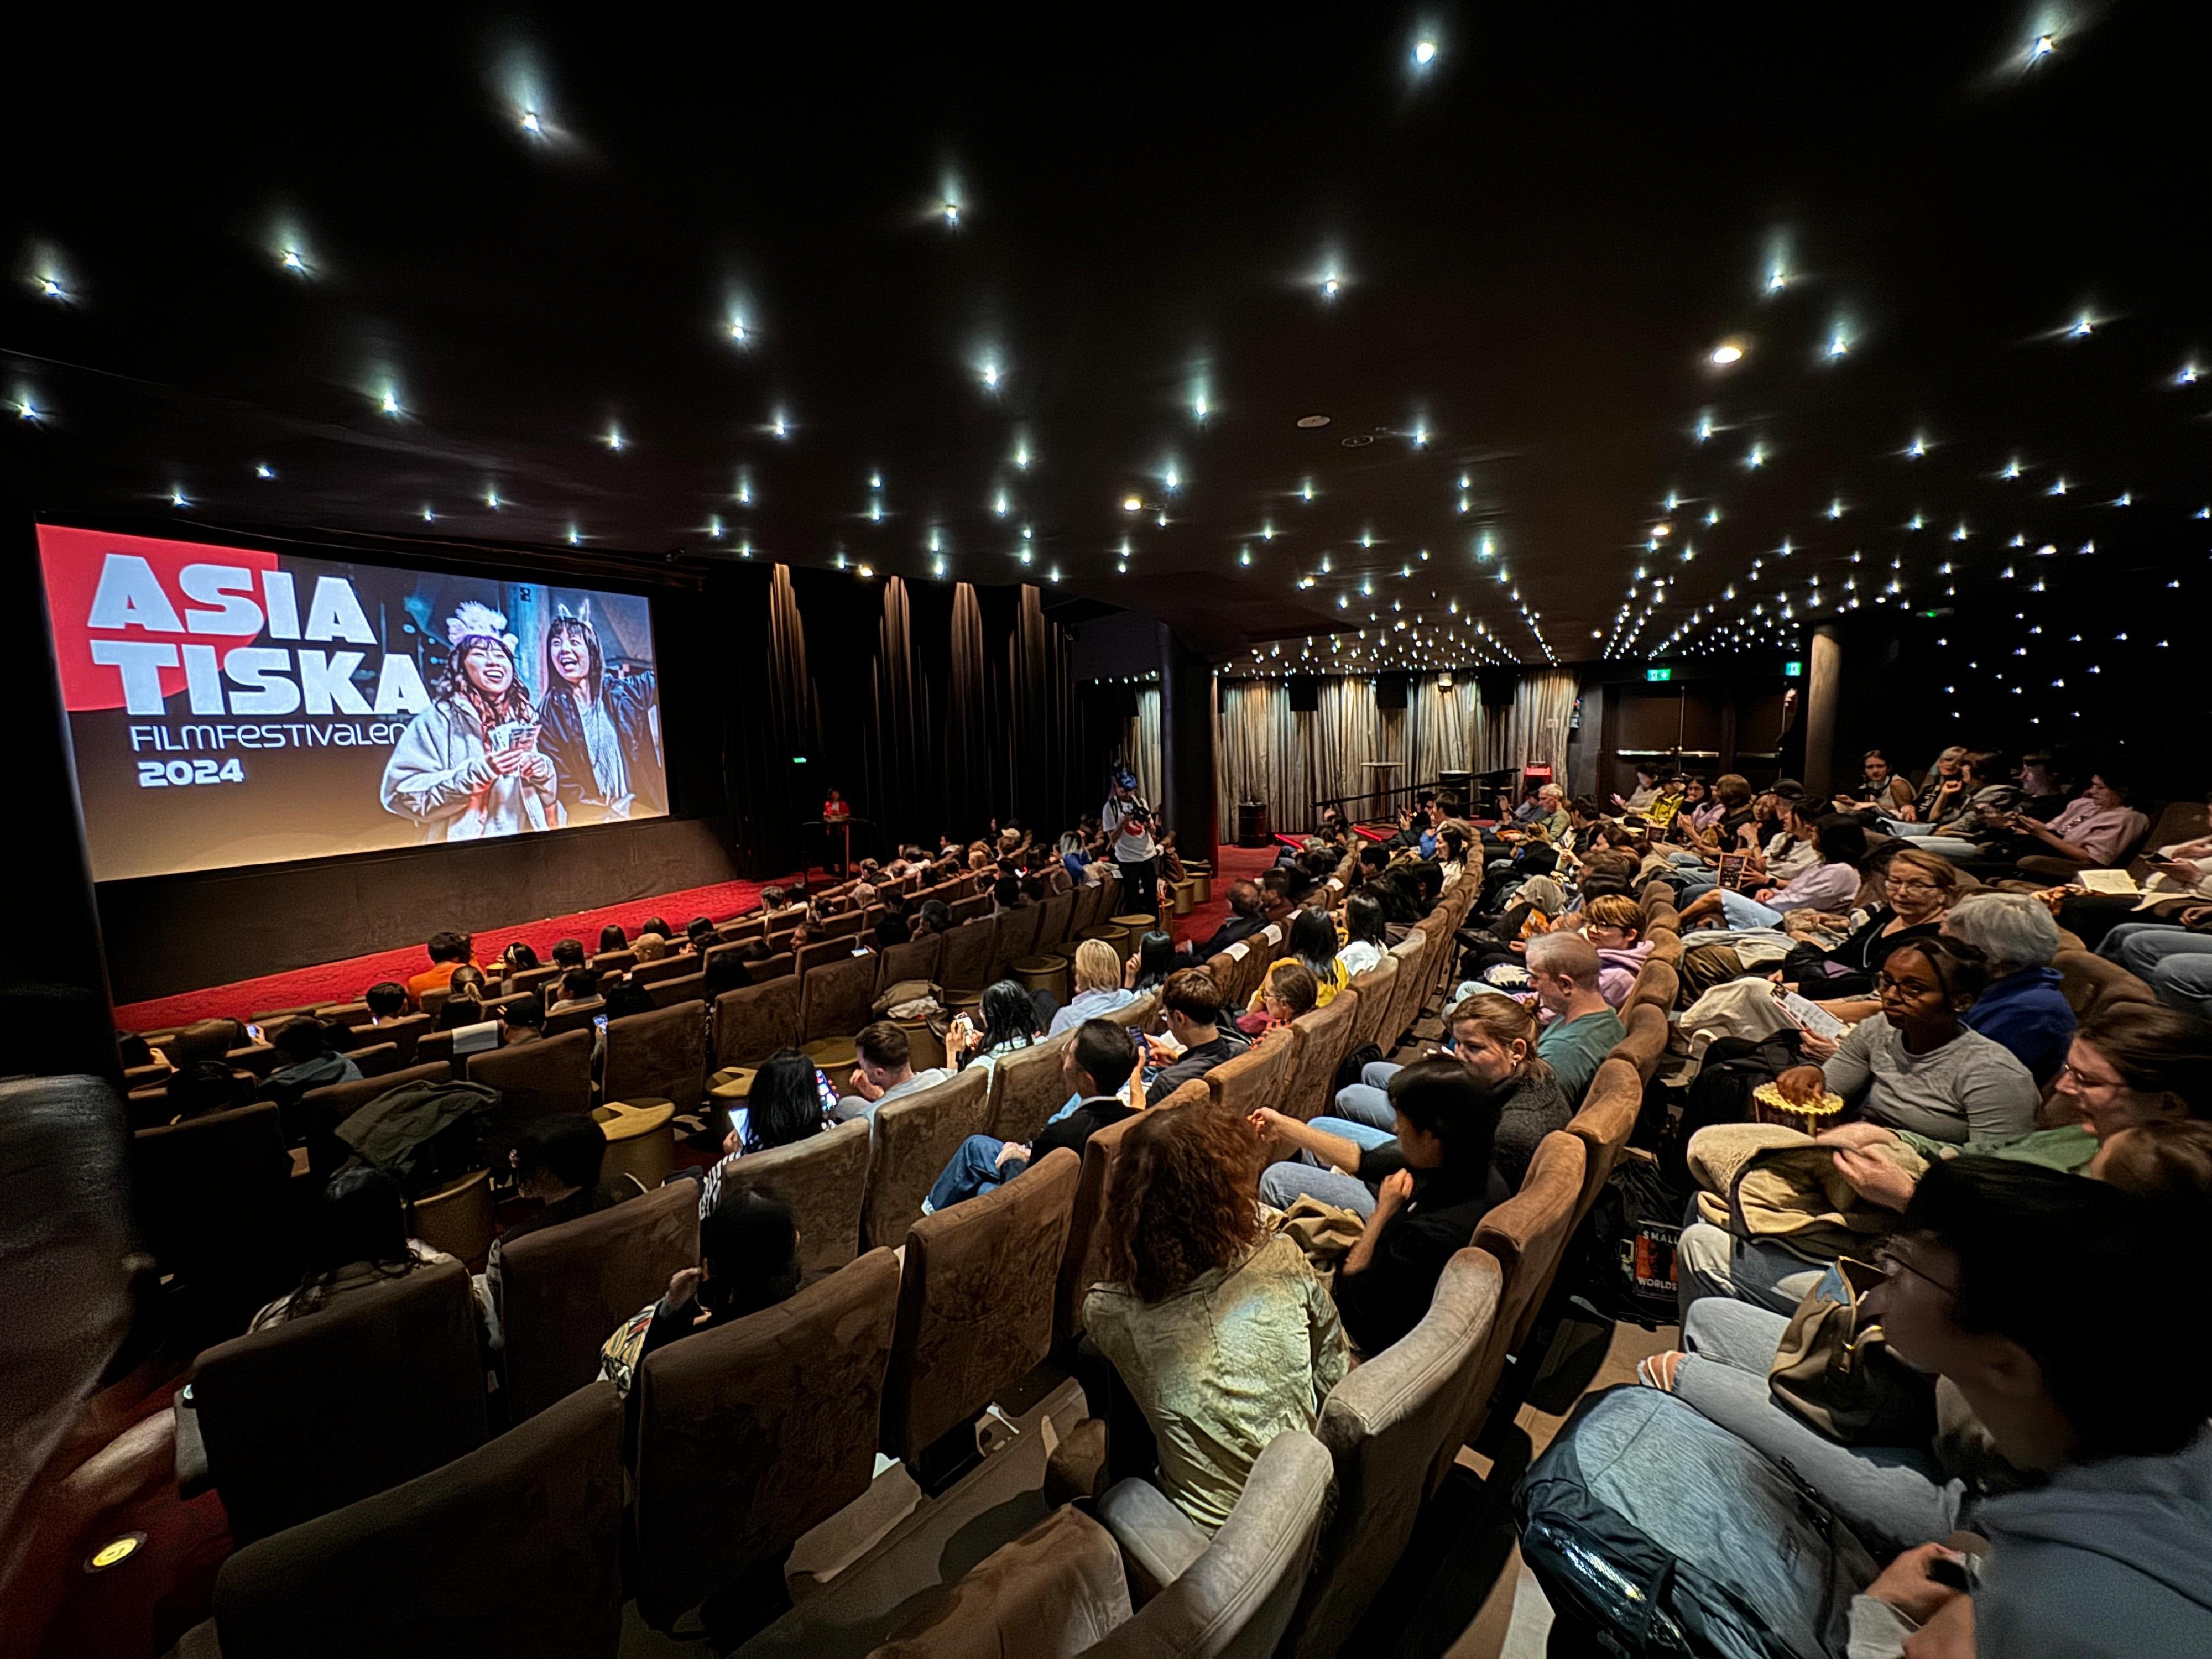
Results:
x,y
468,767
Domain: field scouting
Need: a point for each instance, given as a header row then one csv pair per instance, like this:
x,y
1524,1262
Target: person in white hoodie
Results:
x,y
2049,1302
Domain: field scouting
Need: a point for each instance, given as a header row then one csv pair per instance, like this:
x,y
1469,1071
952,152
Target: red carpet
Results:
x,y
1231,864
342,982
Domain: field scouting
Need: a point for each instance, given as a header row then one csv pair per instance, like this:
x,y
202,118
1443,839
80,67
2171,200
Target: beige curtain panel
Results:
x,y
1265,753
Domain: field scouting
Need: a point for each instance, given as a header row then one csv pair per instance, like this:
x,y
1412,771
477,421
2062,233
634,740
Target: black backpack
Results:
x,y
1733,1069
1628,1267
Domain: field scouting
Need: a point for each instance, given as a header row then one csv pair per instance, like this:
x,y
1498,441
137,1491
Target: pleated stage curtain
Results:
x,y
1263,751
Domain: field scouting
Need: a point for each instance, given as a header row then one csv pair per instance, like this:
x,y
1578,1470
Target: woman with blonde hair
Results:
x,y
1099,989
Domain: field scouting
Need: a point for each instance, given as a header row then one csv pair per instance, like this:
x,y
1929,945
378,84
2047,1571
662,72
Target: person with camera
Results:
x,y
1128,824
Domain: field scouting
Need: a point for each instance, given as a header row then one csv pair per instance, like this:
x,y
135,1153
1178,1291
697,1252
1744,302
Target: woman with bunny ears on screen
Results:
x,y
600,731
468,766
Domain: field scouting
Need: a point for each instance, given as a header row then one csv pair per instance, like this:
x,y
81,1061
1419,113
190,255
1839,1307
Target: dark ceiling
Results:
x,y
1539,237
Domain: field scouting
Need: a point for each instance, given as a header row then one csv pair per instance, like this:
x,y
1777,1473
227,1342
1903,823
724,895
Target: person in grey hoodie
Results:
x,y
2047,1301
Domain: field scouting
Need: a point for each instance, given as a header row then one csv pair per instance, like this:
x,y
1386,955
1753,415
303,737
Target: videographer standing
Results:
x,y
1128,823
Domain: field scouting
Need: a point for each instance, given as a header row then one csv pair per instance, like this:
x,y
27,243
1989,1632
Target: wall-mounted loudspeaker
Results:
x,y
1498,685
1390,690
1305,695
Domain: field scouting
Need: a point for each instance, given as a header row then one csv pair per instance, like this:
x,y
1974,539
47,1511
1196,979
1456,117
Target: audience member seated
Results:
x,y
578,987
1496,1039
1614,924
203,1039
1148,968
611,937
2021,1008
1830,883
1913,1067
783,1106
1097,1064
1889,794
359,1239
558,1160
1366,938
447,951
1218,1328
1197,1040
308,1062
748,1261
204,1086
2044,1305
656,925
1580,1027
1247,916
568,953
1286,993
1640,799
1009,1022
1445,1181
1098,988
650,947
884,1070
1917,888
518,958
2097,829
624,996
1311,946
385,1000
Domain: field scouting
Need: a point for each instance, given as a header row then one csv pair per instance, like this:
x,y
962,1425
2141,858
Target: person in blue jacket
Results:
x,y
2021,1008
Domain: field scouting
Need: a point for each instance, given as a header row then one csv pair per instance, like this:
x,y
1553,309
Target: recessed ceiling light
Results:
x,y
1311,421
1727,352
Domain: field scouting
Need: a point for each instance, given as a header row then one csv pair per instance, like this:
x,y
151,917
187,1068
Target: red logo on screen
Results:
x,y
142,590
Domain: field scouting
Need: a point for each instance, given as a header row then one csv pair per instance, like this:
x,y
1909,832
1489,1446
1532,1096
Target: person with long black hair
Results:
x,y
602,732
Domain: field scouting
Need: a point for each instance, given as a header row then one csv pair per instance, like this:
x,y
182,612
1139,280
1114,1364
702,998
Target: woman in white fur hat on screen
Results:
x,y
468,766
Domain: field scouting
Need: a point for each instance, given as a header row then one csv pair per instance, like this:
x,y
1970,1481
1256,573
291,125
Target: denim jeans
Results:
x,y
1889,1495
1367,1101
1280,1184
1743,912
1709,1261
973,1171
2173,961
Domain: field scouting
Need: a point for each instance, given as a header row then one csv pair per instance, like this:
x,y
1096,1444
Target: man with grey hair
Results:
x,y
1580,1026
2022,1008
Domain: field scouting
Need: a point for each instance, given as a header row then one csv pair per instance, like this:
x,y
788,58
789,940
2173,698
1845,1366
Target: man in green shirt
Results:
x,y
1562,970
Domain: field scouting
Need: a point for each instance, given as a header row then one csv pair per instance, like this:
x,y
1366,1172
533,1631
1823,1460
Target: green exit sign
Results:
x,y
1658,674
1793,670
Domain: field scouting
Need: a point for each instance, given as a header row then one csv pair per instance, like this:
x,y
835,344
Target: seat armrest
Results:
x,y
193,1475
1159,1541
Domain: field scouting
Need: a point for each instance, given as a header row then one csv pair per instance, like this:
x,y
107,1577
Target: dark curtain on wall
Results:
x,y
932,709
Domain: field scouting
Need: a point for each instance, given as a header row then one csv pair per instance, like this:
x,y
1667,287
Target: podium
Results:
x,y
838,833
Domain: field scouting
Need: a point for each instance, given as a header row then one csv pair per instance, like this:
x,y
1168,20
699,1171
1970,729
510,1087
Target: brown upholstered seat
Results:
x,y
661,1055
581,1017
1013,936
775,967
821,954
564,1288
976,1303
1657,983
2090,982
1053,919
513,1551
1604,1124
915,959
915,1136
339,1100
314,1413
824,1180
609,962
1027,1087
214,1203
751,1435
1260,1075
837,998
534,1080
680,988
1377,990
1646,1039
674,966
967,961
348,1014
1384,1425
1136,1015
1324,1039
1525,1235
754,1021
1406,990
375,1059
974,906
841,926
1048,1594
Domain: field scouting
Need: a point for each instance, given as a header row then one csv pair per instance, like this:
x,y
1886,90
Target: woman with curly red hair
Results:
x,y
1219,1330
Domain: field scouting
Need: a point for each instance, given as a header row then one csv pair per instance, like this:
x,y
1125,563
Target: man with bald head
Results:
x,y
1248,915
